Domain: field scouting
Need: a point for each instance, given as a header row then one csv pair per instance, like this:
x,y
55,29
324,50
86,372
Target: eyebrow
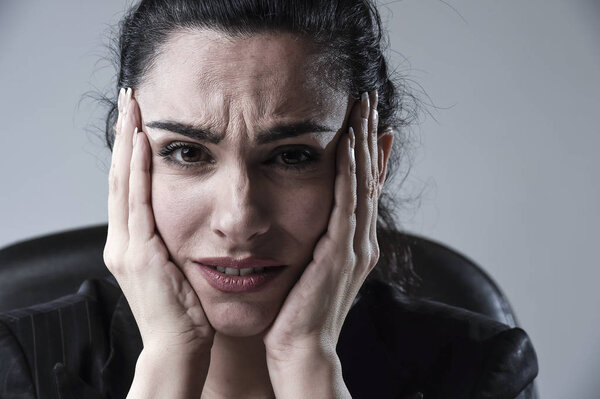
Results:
x,y
278,132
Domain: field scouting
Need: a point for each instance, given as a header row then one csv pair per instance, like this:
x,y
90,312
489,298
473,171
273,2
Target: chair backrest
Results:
x,y
452,278
48,267
45,268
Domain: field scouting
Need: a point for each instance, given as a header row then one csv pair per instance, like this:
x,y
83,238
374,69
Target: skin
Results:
x,y
238,199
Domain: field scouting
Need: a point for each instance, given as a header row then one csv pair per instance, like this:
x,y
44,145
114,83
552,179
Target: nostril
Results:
x,y
238,219
239,232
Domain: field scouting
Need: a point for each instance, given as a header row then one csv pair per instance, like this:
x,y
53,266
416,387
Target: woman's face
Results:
x,y
257,178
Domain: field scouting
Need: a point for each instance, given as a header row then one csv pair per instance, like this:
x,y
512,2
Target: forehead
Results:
x,y
216,79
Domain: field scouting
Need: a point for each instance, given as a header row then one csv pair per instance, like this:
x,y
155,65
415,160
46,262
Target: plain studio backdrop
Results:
x,y
506,168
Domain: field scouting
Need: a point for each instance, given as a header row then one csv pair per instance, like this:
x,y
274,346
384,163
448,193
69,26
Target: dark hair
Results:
x,y
350,41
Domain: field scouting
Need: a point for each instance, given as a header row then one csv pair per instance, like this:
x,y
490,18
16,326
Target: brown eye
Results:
x,y
186,155
295,157
189,154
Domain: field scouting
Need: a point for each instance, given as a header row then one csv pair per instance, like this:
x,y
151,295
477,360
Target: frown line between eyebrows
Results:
x,y
278,132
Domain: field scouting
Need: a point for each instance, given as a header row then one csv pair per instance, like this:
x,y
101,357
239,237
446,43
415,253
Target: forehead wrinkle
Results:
x,y
256,95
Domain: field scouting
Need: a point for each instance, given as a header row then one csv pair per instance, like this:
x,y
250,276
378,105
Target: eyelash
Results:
x,y
312,156
171,148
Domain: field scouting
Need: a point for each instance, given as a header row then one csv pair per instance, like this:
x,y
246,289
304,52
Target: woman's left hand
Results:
x,y
303,338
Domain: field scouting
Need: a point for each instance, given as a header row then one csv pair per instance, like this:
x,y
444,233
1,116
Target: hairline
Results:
x,y
322,58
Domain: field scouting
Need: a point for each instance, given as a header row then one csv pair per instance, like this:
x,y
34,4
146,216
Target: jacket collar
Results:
x,y
115,361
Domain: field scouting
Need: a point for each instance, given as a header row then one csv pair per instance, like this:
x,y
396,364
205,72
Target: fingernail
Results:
x,y
364,105
375,101
120,100
127,101
351,152
124,102
135,134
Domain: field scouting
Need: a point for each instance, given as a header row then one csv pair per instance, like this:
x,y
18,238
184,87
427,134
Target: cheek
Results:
x,y
178,206
304,210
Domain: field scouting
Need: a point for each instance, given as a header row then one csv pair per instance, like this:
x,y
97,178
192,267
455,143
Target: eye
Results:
x,y
186,155
296,158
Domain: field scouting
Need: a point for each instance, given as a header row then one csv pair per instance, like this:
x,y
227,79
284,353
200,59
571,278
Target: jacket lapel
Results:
x,y
125,347
70,386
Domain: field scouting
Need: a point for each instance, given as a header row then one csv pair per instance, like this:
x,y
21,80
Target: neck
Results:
x,y
238,369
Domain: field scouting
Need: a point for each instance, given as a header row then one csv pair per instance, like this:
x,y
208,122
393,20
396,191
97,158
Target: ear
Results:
x,y
385,141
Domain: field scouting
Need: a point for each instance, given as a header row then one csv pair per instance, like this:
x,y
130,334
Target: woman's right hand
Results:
x,y
167,310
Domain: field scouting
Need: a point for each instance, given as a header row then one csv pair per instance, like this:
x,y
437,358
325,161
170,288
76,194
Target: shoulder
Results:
x,y
434,348
65,341
79,316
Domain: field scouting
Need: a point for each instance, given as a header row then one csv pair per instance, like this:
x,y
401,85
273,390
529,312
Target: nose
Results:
x,y
239,214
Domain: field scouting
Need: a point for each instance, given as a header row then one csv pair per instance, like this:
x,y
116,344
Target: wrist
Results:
x,y
174,356
161,373
308,374
179,352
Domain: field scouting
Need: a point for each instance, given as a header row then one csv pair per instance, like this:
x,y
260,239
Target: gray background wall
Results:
x,y
507,166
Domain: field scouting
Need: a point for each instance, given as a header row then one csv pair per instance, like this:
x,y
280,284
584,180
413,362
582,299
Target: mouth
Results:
x,y
232,271
230,276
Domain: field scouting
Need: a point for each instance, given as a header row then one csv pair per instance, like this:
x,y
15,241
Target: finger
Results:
x,y
364,177
374,151
373,238
119,175
342,222
117,126
118,188
373,126
141,217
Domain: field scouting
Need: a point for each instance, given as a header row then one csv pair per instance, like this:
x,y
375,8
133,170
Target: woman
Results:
x,y
250,150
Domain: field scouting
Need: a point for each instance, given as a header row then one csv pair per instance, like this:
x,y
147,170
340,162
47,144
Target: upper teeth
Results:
x,y
239,272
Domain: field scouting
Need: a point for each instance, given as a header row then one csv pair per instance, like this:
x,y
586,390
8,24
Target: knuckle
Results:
x,y
371,256
376,252
137,200
361,250
365,182
374,258
348,248
372,188
113,180
107,258
110,259
352,259
132,203
349,208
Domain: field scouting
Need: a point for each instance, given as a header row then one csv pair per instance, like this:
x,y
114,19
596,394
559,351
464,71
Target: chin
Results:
x,y
239,319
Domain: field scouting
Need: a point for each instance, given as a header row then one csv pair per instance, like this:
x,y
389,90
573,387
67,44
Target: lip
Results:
x,y
244,263
239,284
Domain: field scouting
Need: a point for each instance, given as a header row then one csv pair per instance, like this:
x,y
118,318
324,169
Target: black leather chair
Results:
x,y
41,269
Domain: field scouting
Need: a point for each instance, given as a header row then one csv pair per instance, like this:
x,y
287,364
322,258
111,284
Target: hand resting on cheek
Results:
x,y
169,315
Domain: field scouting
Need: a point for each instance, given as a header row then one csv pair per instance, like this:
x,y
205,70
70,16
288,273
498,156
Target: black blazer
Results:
x,y
86,345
